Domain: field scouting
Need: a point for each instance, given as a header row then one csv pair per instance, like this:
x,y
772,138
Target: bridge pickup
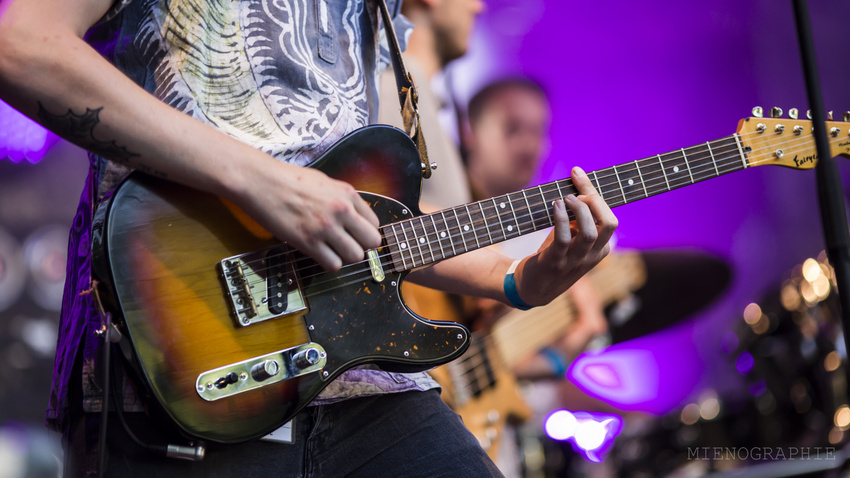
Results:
x,y
262,285
260,371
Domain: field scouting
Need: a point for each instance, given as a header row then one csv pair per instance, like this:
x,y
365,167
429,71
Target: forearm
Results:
x,y
50,74
479,273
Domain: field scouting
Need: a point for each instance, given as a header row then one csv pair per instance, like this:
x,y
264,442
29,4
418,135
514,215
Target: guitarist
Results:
x,y
233,98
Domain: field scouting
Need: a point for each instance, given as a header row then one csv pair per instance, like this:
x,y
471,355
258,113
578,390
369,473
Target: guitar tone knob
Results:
x,y
265,370
306,358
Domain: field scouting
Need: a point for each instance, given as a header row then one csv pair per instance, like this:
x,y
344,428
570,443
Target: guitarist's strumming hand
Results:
x,y
572,248
322,217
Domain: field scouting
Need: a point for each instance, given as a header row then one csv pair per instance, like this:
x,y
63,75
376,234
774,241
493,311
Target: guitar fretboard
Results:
x,y
433,237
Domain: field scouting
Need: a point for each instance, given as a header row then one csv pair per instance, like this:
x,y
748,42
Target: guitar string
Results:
x,y
476,230
476,223
479,225
695,157
358,272
754,161
721,165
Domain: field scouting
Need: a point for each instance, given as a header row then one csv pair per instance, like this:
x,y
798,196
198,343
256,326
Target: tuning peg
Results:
x,y
829,116
758,112
846,117
793,113
809,114
776,112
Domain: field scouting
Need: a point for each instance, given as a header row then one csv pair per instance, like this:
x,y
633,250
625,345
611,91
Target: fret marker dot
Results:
x,y
675,169
404,245
466,228
502,205
443,234
421,240
631,182
510,228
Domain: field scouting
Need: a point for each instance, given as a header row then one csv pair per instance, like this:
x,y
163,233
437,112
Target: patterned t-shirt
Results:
x,y
288,77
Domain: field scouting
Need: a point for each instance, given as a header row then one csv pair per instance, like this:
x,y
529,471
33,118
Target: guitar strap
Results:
x,y
408,97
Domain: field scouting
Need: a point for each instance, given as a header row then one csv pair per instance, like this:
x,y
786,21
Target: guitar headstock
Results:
x,y
789,142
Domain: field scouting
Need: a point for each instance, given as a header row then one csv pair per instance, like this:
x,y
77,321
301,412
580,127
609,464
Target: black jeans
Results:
x,y
410,434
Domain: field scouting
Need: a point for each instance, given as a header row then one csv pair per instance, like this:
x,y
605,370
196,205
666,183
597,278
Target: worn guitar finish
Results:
x,y
195,282
164,243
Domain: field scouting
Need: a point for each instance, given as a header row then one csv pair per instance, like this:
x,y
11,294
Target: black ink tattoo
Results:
x,y
79,129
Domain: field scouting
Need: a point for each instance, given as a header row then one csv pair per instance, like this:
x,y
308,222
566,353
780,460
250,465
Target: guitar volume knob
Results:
x,y
265,370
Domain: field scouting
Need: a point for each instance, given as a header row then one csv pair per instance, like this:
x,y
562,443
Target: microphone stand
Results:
x,y
830,194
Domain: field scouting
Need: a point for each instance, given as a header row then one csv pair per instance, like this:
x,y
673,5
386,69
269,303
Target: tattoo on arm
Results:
x,y
79,129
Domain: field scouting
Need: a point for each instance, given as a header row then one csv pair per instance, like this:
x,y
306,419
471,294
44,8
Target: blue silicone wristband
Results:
x,y
557,361
512,294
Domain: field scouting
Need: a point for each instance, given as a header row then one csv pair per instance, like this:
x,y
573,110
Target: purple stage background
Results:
x,y
629,80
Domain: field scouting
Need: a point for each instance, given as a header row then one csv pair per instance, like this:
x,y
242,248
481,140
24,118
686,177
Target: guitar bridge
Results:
x,y
262,285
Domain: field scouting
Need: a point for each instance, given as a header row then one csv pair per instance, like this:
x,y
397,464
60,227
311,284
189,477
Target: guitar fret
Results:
x,y
740,150
407,245
474,232
713,161
484,217
437,234
398,243
687,165
499,217
663,172
598,187
418,240
449,230
530,213
427,241
622,192
460,231
545,206
642,182
516,221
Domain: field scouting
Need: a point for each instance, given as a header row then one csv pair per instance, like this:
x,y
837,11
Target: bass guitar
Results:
x,y
481,387
233,332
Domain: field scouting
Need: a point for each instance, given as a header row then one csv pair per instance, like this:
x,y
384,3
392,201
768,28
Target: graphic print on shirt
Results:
x,y
245,70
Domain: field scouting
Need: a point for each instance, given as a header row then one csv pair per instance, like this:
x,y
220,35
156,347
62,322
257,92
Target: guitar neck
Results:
x,y
430,238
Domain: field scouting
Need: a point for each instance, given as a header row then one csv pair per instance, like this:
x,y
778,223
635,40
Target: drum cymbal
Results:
x,y
679,283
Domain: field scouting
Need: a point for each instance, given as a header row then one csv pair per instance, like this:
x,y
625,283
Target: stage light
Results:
x,y
651,374
590,434
744,363
561,425
22,138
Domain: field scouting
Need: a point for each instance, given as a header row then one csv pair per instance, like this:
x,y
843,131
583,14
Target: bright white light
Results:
x,y
561,425
590,434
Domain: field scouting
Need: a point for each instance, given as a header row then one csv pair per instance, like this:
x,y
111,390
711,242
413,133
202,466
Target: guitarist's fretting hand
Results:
x,y
568,253
572,248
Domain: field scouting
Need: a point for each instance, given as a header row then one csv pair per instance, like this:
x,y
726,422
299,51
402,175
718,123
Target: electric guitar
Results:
x,y
481,387
233,332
